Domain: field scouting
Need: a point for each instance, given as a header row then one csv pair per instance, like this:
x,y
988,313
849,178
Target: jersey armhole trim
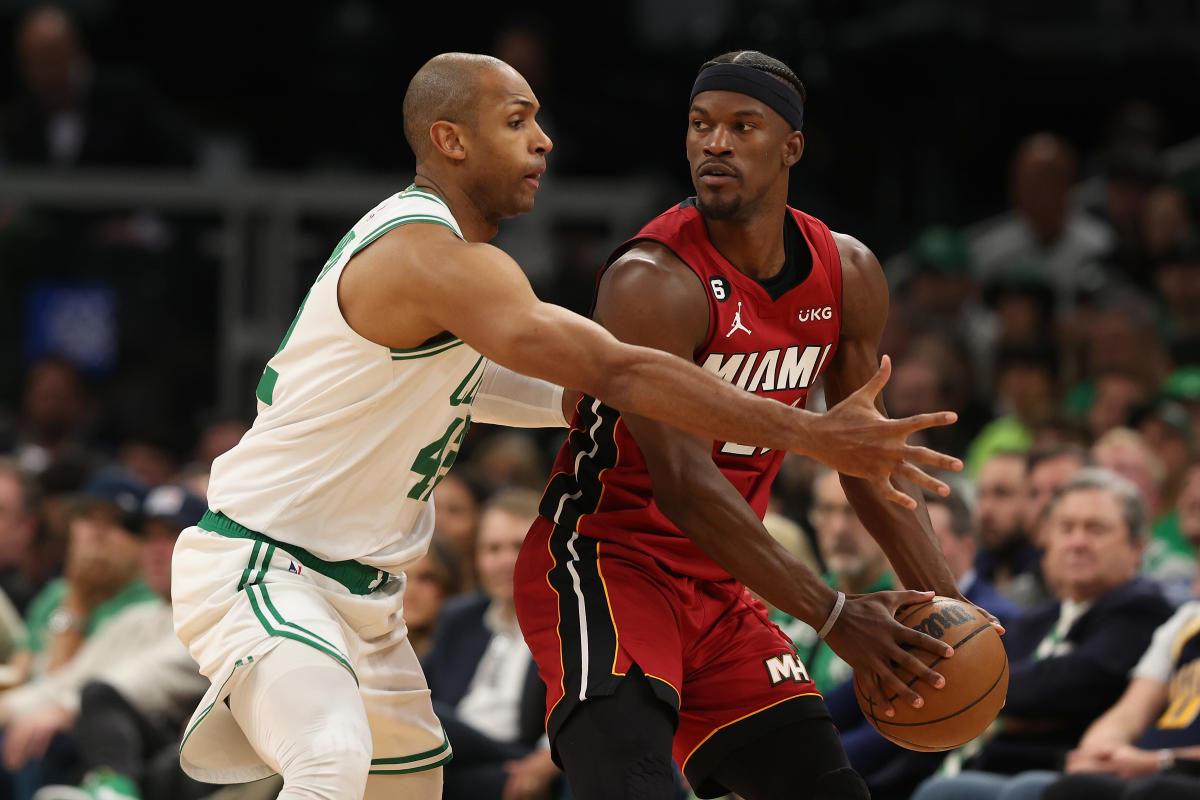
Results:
x,y
400,354
396,354
396,223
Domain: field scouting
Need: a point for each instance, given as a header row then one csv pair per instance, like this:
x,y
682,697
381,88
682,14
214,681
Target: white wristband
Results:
x,y
833,616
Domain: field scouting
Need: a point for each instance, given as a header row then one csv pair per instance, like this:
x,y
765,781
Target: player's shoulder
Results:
x,y
651,282
424,235
647,262
859,263
852,248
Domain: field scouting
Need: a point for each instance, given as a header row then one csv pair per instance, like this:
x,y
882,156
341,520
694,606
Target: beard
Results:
x,y
995,539
719,208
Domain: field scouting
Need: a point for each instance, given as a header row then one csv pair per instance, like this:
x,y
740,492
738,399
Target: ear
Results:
x,y
447,140
793,148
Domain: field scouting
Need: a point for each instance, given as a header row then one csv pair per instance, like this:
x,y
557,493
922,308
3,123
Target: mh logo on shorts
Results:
x,y
785,667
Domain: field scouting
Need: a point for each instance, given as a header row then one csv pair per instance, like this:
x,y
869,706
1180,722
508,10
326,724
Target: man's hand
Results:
x,y
531,777
27,737
1132,762
854,438
1120,759
869,639
956,595
1090,758
83,596
995,620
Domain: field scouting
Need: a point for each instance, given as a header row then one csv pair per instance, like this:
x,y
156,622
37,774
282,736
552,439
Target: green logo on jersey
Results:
x,y
436,458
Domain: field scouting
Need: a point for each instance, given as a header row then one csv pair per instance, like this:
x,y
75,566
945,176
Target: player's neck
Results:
x,y
753,245
752,239
475,225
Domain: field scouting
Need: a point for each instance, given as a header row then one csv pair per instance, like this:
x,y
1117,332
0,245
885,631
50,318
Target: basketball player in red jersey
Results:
x,y
631,585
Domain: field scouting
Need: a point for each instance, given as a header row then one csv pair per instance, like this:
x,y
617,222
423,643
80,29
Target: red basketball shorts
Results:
x,y
591,609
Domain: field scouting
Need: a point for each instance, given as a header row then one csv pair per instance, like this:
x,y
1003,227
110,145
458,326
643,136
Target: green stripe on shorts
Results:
x,y
297,633
406,764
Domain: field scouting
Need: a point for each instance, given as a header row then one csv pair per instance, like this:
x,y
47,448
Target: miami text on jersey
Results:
x,y
774,370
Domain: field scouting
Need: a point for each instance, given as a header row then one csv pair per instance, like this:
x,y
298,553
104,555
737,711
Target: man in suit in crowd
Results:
x,y
1070,657
957,530
484,683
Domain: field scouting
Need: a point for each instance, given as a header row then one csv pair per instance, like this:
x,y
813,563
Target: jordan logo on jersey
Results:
x,y
737,322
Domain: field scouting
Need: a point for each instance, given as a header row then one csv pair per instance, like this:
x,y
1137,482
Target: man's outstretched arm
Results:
x,y
421,279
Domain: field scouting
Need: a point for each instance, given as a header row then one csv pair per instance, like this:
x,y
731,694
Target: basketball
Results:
x,y
976,680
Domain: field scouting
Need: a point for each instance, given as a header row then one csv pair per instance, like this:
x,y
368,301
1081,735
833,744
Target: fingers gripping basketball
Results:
x,y
976,680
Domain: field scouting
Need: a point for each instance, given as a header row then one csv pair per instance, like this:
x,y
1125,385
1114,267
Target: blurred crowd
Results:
x,y
1065,332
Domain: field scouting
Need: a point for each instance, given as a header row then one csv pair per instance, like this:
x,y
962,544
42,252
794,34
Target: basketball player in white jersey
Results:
x,y
289,591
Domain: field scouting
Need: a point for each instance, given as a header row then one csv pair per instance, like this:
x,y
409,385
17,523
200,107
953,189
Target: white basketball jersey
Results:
x,y
351,436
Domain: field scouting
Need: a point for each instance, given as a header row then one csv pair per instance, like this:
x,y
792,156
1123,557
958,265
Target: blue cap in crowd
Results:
x,y
117,490
176,505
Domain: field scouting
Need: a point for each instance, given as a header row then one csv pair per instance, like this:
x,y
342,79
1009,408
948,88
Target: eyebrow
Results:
x,y
744,113
521,102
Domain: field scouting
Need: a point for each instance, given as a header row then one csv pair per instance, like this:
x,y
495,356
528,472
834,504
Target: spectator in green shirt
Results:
x,y
101,579
854,564
101,576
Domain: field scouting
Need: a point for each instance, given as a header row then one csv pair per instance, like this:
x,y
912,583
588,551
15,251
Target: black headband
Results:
x,y
752,83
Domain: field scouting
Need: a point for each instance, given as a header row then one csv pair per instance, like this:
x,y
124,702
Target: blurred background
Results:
x,y
173,176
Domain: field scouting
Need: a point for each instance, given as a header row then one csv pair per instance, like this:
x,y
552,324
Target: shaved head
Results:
x,y
447,88
471,123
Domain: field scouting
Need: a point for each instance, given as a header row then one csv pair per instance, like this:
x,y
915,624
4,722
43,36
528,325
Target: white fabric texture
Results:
x,y
1158,661
351,436
322,749
236,601
517,401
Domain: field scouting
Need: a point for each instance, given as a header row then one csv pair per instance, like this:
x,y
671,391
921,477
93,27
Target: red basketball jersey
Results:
x,y
600,486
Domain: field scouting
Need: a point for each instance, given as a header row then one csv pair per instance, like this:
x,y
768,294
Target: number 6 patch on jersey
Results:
x,y
720,287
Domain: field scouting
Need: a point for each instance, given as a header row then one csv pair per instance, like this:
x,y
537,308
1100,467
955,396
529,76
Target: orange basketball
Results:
x,y
976,680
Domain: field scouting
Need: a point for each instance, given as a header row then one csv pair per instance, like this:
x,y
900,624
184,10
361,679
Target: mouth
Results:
x,y
534,178
716,173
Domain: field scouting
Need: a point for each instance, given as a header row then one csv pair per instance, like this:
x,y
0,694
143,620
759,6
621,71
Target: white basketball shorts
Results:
x,y
236,594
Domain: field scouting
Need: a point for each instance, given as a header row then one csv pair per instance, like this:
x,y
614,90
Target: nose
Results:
x,y
544,144
718,142
1077,537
